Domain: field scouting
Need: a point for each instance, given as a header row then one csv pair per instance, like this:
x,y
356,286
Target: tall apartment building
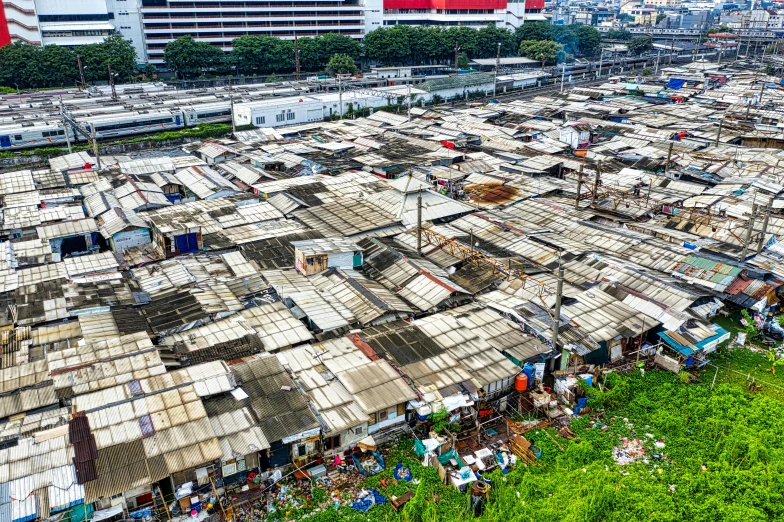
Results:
x,y
151,24
59,22
221,21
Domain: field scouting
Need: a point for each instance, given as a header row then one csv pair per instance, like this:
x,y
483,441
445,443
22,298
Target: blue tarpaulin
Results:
x,y
675,84
369,500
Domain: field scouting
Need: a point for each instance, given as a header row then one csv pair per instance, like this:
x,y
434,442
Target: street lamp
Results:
x,y
18,94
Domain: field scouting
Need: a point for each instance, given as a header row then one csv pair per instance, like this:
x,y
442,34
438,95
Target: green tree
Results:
x,y
625,17
589,40
115,51
550,52
18,65
660,17
619,34
567,37
56,66
429,44
488,39
149,71
310,54
188,58
333,43
341,64
534,31
462,61
262,54
466,37
389,45
640,44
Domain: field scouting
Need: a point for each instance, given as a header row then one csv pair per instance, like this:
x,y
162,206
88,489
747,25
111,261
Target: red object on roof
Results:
x,y
448,144
5,34
445,4
363,346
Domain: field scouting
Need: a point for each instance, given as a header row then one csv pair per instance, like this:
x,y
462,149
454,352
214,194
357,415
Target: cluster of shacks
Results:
x,y
286,294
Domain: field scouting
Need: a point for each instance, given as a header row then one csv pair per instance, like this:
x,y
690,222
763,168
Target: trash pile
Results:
x,y
630,450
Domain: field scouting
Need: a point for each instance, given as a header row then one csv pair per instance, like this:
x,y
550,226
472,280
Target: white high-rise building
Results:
x,y
59,22
221,21
128,22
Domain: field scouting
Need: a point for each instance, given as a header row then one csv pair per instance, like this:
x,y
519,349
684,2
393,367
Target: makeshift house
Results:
x,y
267,393
316,255
343,422
124,229
70,237
577,135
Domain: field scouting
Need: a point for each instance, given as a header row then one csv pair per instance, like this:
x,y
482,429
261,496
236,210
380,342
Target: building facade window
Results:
x,y
261,120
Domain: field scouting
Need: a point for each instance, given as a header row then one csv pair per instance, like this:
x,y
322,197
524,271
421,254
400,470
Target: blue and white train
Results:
x,y
43,133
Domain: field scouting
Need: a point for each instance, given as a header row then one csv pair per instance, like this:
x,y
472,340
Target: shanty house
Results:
x,y
316,255
124,229
69,237
343,422
377,388
267,393
576,135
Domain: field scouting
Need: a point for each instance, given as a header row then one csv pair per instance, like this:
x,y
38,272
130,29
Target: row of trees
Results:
x,y
400,44
257,54
28,66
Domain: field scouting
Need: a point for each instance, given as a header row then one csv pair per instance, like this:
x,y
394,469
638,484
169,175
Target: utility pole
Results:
x,y
457,50
419,223
672,48
408,97
557,314
718,133
497,66
762,87
601,57
87,131
81,71
658,55
231,108
761,243
296,56
669,155
563,74
65,126
596,182
579,187
95,147
111,82
340,97
749,229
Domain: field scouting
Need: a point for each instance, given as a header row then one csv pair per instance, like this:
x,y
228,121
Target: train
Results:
x,y
36,121
44,133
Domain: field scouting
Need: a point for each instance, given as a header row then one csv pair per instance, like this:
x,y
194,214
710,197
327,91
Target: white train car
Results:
x,y
113,125
218,112
25,135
